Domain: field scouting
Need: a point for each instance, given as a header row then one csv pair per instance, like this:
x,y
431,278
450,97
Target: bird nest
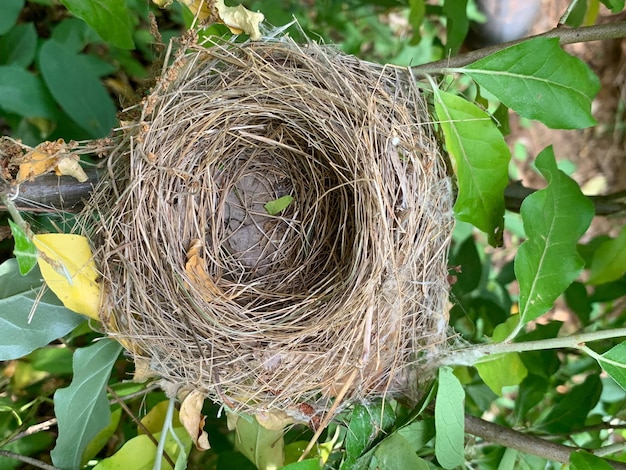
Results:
x,y
337,287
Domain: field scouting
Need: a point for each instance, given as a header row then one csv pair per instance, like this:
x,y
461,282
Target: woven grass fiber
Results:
x,y
343,292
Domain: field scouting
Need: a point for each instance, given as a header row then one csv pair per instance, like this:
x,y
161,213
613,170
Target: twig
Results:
x,y
27,460
565,35
34,429
117,399
469,356
167,427
609,204
523,442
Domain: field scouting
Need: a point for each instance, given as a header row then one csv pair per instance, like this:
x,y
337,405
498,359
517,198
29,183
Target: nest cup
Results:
x,y
339,290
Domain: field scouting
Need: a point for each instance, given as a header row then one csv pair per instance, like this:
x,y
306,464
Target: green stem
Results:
x,y
565,35
470,356
15,215
167,426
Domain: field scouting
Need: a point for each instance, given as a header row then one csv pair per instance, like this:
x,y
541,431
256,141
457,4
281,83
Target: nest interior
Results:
x,y
343,289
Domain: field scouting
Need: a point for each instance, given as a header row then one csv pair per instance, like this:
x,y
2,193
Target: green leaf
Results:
x,y
101,439
396,453
109,18
417,10
581,460
614,363
577,299
471,267
75,34
531,392
576,13
480,157
418,433
25,250
77,89
449,420
82,409
18,46
361,432
139,453
10,13
554,219
308,464
18,297
23,93
490,367
540,81
457,25
609,260
263,447
571,411
615,5
278,205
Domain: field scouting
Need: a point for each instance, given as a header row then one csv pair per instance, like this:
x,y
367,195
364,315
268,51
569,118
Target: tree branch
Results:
x,y
523,442
610,204
472,354
565,35
27,460
51,193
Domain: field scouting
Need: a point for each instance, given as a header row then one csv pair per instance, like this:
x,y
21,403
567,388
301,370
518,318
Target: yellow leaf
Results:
x,y
275,420
240,19
68,268
50,156
192,419
36,163
155,419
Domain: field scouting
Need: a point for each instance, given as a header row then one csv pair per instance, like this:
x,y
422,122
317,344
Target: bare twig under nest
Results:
x,y
344,290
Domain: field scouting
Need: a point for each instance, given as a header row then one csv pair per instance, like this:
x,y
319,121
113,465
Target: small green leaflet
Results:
x,y
490,367
554,219
82,409
540,81
609,261
480,157
25,250
449,420
614,363
615,5
361,432
276,206
457,25
110,19
581,460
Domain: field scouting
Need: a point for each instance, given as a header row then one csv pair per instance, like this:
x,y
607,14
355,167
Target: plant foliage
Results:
x,y
68,68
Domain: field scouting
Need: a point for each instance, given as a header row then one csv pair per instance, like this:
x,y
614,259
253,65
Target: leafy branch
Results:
x,y
564,35
471,355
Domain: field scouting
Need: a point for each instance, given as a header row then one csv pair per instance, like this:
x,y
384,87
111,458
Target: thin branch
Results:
x,y
471,355
565,35
34,429
27,460
117,399
523,442
609,204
